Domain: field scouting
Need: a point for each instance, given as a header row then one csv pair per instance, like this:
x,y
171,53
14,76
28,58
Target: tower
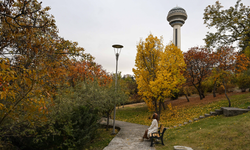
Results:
x,y
176,18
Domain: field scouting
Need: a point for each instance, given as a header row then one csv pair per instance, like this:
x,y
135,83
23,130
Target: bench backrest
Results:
x,y
161,130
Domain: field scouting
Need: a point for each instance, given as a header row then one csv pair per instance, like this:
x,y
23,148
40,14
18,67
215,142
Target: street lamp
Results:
x,y
117,50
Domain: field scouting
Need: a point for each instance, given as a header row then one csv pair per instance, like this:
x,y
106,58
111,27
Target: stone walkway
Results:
x,y
129,137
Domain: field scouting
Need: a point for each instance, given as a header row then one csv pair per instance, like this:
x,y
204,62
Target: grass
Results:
x,y
212,133
137,115
173,116
102,140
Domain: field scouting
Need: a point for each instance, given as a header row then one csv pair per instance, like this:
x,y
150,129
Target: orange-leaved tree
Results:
x,y
228,63
158,71
199,62
87,70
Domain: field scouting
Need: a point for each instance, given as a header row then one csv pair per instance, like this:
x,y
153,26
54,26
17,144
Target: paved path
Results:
x,y
129,137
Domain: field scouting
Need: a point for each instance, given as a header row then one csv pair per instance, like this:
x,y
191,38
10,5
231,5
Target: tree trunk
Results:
x,y
229,102
72,83
197,88
163,105
107,121
156,109
203,95
159,113
200,94
186,97
214,89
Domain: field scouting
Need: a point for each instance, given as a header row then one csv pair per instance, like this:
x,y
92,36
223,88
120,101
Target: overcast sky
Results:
x,y
98,24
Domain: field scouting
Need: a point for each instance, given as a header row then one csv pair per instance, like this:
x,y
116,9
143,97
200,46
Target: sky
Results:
x,y
98,24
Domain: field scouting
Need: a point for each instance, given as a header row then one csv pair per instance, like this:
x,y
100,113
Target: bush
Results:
x,y
220,89
208,85
230,87
72,131
243,81
174,95
193,90
82,127
70,121
134,99
190,90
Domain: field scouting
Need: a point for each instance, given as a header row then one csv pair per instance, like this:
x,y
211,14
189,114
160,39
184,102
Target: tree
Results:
x,y
232,25
113,95
102,97
169,76
21,26
146,62
70,124
33,60
158,71
243,80
185,88
35,66
228,63
199,63
129,82
84,70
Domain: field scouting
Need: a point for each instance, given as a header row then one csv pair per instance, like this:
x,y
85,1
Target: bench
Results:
x,y
157,135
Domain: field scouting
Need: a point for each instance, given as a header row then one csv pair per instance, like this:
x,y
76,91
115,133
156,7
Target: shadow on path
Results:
x,y
129,137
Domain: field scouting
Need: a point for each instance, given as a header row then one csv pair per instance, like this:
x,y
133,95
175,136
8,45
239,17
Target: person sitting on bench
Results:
x,y
152,128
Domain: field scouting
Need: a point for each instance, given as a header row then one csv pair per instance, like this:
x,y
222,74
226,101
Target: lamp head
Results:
x,y
117,46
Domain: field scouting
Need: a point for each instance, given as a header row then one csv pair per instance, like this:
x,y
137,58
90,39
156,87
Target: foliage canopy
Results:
x,y
232,25
158,71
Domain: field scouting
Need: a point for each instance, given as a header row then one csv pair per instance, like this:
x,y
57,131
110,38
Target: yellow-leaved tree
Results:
x,y
158,71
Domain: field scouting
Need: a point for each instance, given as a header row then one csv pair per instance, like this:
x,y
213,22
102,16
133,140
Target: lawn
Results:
x,y
175,115
210,133
214,133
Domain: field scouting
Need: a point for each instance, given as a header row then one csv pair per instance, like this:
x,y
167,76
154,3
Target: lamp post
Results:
x,y
117,50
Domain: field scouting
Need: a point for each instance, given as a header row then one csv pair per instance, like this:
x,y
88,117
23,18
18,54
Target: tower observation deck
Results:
x,y
176,18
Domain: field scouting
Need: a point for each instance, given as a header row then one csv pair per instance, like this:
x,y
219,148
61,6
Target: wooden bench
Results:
x,y
157,135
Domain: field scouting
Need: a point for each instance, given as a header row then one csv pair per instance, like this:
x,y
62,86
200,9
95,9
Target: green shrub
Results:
x,y
208,85
74,131
71,121
84,125
174,95
243,81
